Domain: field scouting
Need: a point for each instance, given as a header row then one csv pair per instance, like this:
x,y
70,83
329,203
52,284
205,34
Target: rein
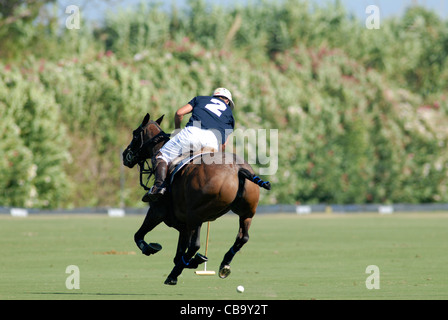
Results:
x,y
146,149
148,171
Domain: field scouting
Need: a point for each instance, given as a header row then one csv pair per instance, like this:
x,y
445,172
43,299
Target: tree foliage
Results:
x,y
361,113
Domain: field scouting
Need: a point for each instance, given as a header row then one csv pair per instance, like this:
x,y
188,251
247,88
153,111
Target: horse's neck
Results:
x,y
155,131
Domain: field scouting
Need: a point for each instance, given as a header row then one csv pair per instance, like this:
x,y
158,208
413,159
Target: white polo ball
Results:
x,y
240,289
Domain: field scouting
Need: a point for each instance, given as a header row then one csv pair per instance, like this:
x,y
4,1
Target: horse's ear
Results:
x,y
159,121
145,120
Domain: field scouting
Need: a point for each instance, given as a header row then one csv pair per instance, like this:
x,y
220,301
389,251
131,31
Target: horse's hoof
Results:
x,y
154,248
197,260
148,249
200,258
171,281
224,271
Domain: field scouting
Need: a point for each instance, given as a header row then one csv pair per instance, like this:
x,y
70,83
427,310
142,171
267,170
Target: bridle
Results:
x,y
145,151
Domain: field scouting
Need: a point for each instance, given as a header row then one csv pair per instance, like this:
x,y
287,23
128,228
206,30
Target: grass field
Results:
x,y
287,257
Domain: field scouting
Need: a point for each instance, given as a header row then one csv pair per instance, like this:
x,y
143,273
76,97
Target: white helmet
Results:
x,y
223,92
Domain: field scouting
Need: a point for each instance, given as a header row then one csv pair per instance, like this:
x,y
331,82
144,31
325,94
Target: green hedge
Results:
x,y
34,143
360,113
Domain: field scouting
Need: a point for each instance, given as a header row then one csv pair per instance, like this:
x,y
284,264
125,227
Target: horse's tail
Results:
x,y
246,174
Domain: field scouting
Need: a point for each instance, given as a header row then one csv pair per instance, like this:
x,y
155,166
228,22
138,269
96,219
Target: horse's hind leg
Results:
x,y
151,221
189,240
241,240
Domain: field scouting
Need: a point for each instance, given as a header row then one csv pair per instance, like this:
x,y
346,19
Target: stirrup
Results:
x,y
154,194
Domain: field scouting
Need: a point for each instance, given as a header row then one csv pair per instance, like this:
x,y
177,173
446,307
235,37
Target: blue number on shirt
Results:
x,y
216,107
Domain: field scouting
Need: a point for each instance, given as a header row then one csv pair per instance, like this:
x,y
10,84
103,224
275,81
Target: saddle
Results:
x,y
184,159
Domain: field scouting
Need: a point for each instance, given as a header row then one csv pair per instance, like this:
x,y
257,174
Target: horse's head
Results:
x,y
147,139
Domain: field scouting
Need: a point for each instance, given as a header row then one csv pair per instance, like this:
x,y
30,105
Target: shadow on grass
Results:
x,y
98,294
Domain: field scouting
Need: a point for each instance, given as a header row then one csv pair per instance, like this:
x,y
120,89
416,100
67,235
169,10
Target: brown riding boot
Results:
x,y
158,189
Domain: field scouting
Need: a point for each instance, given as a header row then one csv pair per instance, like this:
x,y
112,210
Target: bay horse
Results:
x,y
201,191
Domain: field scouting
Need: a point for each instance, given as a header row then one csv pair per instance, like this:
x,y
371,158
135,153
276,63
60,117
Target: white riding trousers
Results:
x,y
188,139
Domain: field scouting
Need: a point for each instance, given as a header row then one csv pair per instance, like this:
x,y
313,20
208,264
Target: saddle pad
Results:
x,y
178,165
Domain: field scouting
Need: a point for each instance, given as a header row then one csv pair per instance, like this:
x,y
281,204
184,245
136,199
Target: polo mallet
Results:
x,y
205,272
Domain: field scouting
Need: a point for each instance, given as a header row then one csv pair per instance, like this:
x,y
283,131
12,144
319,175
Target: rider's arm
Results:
x,y
180,115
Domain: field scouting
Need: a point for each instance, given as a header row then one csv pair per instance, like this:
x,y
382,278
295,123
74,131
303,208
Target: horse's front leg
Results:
x,y
151,221
182,245
191,240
